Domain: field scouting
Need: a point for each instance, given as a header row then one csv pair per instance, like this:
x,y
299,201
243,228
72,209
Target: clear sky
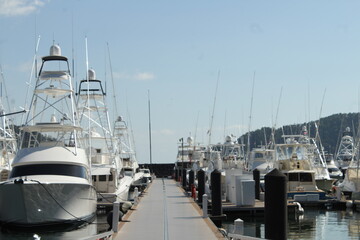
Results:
x,y
175,50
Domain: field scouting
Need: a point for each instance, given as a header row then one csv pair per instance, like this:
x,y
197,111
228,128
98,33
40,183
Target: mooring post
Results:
x,y
201,185
256,176
115,216
176,174
275,205
216,205
205,205
184,178
136,194
239,226
191,178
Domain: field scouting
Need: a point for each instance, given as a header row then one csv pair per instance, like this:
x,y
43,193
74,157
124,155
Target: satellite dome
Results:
x,y
189,140
91,74
55,50
228,138
347,129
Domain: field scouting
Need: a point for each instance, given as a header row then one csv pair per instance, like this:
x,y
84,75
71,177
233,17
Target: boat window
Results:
x,y
111,177
102,178
305,177
49,169
259,155
94,178
293,177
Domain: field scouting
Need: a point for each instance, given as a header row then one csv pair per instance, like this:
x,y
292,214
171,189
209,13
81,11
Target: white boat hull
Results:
x,y
34,204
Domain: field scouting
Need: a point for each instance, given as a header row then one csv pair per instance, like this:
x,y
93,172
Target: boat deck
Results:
x,y
166,213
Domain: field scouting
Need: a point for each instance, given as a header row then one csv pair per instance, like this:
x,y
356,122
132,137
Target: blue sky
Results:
x,y
175,50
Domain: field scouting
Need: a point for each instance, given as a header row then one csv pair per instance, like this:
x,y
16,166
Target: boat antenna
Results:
x,y
276,117
265,136
112,82
225,125
196,126
317,136
251,105
149,127
213,110
72,45
88,94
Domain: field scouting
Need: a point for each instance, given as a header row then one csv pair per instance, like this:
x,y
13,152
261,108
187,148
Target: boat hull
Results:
x,y
31,203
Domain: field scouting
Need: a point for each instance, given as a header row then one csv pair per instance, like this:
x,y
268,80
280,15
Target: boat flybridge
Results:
x,y
346,150
108,175
292,158
50,179
128,154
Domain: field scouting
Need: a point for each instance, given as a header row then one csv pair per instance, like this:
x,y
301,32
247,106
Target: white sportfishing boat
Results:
x,y
128,154
50,179
262,159
294,160
108,174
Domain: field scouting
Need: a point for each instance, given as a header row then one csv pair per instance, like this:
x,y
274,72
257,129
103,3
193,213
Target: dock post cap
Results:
x,y
239,226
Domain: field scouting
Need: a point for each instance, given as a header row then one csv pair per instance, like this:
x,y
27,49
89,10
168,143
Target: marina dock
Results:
x,y
165,212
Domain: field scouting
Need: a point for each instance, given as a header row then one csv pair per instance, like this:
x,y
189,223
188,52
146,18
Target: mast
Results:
x,y
251,104
149,127
213,110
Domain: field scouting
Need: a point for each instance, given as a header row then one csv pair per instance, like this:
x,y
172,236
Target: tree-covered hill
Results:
x,y
331,129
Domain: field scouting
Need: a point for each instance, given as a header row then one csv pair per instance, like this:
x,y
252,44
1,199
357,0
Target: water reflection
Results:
x,y
98,226
314,224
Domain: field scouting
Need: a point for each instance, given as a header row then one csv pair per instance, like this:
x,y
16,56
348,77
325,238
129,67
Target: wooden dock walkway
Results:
x,y
164,212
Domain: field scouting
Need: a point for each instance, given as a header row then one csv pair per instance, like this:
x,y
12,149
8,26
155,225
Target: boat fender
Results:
x,y
300,209
19,181
125,206
109,217
349,204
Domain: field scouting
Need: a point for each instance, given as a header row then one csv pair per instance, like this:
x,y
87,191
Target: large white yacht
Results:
x,y
108,174
50,179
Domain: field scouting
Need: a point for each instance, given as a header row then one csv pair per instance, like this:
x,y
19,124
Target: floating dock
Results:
x,y
165,212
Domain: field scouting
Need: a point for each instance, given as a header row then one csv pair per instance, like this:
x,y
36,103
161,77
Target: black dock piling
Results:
x,y
176,174
256,176
216,204
191,178
201,185
275,205
184,178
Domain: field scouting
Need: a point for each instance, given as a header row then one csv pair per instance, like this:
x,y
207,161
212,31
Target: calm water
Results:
x,y
314,224
99,225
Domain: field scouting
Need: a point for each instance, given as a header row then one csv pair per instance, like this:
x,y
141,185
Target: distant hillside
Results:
x,y
330,130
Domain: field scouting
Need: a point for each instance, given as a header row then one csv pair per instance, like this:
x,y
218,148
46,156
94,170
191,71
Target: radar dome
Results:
x,y
189,140
228,138
347,129
92,74
55,50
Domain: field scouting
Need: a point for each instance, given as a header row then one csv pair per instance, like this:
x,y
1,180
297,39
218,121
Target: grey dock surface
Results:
x,y
164,212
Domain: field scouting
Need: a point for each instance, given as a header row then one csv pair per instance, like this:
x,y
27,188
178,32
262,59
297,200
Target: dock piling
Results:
x,y
205,205
184,178
191,178
201,185
256,176
216,204
115,216
275,205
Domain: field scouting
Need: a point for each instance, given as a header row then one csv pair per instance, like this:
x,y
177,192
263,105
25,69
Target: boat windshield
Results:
x,y
293,151
49,169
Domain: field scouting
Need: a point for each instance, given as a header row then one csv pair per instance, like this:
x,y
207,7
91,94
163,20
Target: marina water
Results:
x,y
314,224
